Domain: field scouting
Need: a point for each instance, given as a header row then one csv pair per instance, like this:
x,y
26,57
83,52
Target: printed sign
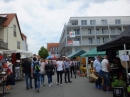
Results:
x,y
75,42
125,58
72,33
70,42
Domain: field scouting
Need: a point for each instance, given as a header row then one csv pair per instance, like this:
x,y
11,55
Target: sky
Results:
x,y
42,21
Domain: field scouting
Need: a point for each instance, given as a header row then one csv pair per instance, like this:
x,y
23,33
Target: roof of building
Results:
x,y
9,18
50,45
23,35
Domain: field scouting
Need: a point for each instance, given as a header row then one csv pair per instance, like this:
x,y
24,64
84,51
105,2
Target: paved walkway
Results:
x,y
80,87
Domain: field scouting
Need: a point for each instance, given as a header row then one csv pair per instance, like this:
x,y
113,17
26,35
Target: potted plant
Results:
x,y
128,90
118,86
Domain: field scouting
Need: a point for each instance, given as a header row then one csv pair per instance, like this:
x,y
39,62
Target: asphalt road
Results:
x,y
80,87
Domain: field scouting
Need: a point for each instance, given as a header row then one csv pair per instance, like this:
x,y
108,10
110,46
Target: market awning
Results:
x,y
118,42
93,53
76,54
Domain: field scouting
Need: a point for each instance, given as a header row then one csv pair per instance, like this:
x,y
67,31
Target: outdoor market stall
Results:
x,y
15,56
121,42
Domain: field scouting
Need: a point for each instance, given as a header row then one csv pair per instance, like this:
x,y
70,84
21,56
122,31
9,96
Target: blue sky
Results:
x,y
42,21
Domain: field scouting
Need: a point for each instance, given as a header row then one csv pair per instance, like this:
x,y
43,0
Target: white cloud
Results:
x,y
43,20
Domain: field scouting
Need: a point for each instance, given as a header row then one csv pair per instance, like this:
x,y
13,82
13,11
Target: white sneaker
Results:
x,y
49,85
57,83
61,84
41,85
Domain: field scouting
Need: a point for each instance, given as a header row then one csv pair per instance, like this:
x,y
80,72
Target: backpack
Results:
x,y
37,67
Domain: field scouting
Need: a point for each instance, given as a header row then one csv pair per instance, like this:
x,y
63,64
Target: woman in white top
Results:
x,y
42,72
59,71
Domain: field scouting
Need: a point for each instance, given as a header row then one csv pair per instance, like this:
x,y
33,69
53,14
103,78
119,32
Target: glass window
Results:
x,y
119,30
97,31
92,22
112,30
117,21
18,45
98,40
77,49
83,22
89,31
77,31
15,30
104,39
104,22
74,23
90,40
103,31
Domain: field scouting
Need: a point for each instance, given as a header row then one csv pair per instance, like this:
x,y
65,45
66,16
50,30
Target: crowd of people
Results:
x,y
37,69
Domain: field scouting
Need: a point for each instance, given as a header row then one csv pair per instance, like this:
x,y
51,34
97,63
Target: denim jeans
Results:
x,y
28,80
37,80
49,78
42,78
106,77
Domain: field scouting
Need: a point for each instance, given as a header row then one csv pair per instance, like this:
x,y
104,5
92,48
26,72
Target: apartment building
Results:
x,y
53,49
86,33
10,33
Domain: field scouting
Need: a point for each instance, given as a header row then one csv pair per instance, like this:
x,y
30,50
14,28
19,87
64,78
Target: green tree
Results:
x,y
43,53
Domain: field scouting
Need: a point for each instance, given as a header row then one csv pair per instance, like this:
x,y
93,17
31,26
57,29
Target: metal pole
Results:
x,y
87,70
126,63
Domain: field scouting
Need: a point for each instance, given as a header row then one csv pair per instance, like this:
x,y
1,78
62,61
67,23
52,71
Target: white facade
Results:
x,y
14,42
24,46
91,32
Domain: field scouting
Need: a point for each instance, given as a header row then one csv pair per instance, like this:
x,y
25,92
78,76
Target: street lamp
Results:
x,y
7,35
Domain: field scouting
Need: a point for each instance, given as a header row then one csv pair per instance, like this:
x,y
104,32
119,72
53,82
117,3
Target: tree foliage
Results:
x,y
43,53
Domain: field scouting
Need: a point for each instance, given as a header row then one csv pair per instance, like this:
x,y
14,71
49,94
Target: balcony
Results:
x,y
3,45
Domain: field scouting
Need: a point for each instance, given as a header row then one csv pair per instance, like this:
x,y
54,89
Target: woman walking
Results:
x,y
42,71
59,71
49,67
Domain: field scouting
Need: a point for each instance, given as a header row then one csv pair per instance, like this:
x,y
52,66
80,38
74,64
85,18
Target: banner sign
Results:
x,y
75,42
72,33
70,42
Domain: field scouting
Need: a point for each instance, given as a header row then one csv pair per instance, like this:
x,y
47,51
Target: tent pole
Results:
x,y
126,63
87,70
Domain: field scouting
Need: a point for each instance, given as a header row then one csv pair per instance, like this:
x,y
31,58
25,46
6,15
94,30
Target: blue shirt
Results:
x,y
66,64
33,66
97,65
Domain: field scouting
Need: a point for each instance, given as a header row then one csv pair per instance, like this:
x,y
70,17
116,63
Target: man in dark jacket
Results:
x,y
49,67
27,70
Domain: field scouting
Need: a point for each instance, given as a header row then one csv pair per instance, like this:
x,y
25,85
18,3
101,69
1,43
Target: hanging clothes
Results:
x,y
13,56
18,56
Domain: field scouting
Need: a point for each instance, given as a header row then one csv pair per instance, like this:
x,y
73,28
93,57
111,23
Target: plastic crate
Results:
x,y
118,92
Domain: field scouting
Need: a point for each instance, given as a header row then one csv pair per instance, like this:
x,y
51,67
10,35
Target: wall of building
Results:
x,y
2,33
12,40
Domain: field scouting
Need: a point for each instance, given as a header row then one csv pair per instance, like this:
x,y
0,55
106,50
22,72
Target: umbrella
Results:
x,y
49,57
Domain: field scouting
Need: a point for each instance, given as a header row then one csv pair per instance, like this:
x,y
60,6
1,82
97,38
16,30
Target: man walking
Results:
x,y
27,70
35,73
97,70
67,70
72,68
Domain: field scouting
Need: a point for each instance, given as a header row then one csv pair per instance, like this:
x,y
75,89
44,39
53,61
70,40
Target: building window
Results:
x,y
98,40
97,31
83,22
15,30
104,22
77,49
90,48
57,53
18,45
112,30
103,31
77,31
90,40
119,30
74,23
104,39
89,31
92,22
117,21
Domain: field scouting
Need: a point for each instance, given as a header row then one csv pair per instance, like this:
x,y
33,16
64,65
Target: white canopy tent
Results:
x,y
24,54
